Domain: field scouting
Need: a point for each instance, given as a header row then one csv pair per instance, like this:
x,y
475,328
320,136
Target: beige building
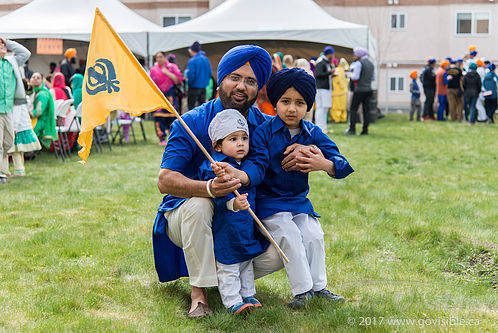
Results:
x,y
407,31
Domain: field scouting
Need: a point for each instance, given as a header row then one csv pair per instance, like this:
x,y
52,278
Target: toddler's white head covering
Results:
x,y
225,123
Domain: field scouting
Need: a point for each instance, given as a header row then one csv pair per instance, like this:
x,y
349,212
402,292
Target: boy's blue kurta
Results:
x,y
281,191
236,238
182,155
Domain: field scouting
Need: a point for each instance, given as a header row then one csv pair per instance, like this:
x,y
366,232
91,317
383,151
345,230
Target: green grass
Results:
x,y
412,234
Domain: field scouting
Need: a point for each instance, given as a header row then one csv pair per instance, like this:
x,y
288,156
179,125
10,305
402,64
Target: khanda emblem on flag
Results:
x,y
101,77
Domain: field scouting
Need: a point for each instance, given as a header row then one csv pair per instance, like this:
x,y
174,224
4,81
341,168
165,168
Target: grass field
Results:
x,y
411,240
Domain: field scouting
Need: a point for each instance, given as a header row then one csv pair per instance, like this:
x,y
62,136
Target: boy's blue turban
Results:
x,y
238,56
291,77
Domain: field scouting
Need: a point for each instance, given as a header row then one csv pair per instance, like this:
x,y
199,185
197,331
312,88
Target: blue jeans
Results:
x,y
470,107
443,101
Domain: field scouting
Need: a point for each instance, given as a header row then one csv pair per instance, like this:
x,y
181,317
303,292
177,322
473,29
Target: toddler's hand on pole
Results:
x,y
241,203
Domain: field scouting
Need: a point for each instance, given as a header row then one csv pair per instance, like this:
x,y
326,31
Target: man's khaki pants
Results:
x,y
455,104
6,139
189,227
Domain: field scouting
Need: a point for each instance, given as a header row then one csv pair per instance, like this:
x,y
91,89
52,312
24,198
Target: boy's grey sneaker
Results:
x,y
300,300
3,179
327,294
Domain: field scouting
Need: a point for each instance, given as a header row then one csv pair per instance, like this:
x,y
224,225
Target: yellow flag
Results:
x,y
114,80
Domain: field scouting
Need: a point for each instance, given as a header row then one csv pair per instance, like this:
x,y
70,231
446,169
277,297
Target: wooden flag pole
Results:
x,y
260,224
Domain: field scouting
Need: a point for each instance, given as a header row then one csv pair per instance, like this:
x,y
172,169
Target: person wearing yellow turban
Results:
x,y
338,112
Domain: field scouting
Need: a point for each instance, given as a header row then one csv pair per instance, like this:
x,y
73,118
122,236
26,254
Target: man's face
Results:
x,y
239,89
330,56
3,48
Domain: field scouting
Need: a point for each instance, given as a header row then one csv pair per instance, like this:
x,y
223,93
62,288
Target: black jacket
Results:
x,y
428,78
322,74
471,84
68,71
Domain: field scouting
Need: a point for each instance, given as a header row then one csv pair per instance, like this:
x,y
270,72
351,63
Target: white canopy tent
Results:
x,y
73,19
291,20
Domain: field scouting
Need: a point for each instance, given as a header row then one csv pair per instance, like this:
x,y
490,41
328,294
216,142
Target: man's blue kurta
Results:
x,y
184,156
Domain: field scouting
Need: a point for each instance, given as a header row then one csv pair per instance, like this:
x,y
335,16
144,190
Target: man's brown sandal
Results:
x,y
201,310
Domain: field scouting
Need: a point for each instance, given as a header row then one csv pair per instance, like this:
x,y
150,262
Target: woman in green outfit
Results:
x,y
77,84
43,110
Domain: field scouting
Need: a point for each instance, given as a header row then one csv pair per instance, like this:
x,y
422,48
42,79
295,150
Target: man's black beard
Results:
x,y
73,60
227,103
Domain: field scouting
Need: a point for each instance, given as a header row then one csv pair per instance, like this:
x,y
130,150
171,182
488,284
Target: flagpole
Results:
x,y
258,221
169,107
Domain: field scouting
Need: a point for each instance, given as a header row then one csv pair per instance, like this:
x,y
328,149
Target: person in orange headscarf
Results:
x,y
415,104
442,88
263,102
67,65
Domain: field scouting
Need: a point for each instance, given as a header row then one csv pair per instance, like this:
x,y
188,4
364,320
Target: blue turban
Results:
x,y
328,50
291,77
431,61
238,56
473,53
491,67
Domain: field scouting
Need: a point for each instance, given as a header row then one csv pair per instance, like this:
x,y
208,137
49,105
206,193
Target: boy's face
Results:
x,y
235,145
291,108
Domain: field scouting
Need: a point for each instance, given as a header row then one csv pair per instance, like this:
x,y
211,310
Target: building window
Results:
x,y
398,21
396,84
468,23
175,19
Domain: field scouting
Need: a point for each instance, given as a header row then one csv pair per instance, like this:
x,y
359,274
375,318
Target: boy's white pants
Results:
x,y
235,282
300,236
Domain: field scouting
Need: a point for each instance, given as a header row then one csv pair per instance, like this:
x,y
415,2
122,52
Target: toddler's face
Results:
x,y
291,108
235,145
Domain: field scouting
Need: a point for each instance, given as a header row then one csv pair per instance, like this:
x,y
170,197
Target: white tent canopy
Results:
x,y
73,20
297,20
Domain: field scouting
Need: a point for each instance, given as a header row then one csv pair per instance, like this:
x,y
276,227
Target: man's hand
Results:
x,y
313,160
221,186
241,203
290,163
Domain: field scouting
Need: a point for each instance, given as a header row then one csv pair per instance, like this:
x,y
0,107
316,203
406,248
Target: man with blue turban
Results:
x,y
324,69
182,238
428,79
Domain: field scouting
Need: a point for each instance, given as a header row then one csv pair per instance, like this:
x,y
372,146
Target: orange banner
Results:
x,y
48,46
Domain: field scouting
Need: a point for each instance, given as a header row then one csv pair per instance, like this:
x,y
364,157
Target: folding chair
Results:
x,y
63,127
122,122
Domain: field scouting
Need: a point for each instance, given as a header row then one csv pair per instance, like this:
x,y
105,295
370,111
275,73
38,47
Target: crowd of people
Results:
x,y
195,85
28,99
335,80
465,89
